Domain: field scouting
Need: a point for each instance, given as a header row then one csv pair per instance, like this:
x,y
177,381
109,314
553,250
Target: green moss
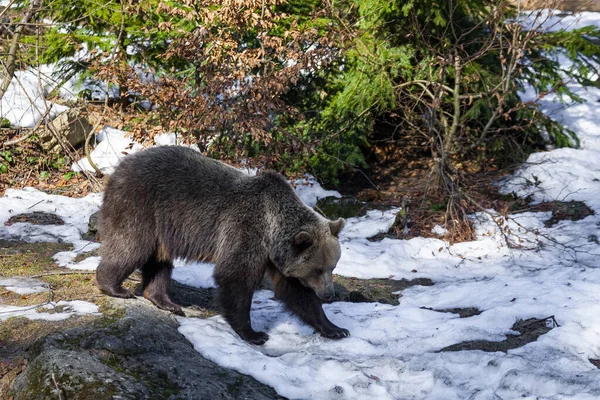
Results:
x,y
41,386
25,259
35,259
159,384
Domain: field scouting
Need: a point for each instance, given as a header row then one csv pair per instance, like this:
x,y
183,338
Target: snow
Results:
x,y
113,145
394,351
66,259
555,20
439,230
24,285
24,102
309,190
197,274
65,310
75,212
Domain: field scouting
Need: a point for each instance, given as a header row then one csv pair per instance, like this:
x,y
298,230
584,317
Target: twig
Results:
x,y
26,309
60,397
63,273
35,204
88,154
6,8
19,139
27,177
11,60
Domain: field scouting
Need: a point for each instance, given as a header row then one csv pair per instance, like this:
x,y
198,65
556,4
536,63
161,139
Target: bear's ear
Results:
x,y
336,226
303,240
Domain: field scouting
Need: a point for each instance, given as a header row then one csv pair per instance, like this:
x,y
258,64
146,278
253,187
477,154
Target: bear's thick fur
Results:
x,y
172,202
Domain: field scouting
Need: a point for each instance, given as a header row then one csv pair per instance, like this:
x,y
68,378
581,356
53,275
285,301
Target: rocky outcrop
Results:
x,y
139,355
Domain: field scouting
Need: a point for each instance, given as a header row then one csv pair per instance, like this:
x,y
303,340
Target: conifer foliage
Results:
x,y
302,84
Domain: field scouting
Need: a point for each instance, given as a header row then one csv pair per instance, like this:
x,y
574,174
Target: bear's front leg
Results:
x,y
234,295
235,300
303,302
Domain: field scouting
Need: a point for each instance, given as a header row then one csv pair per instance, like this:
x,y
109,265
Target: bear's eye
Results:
x,y
320,271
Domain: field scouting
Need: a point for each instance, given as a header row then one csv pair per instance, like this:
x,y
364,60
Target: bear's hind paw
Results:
x,y
118,291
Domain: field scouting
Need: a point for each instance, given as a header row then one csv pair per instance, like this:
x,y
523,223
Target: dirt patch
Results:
x,y
341,207
462,312
384,291
196,302
530,330
36,218
561,210
565,5
595,362
565,211
28,259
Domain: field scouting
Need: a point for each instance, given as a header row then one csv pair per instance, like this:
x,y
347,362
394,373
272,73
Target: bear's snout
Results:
x,y
327,294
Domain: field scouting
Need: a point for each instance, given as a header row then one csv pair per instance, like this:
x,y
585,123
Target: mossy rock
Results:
x,y
139,355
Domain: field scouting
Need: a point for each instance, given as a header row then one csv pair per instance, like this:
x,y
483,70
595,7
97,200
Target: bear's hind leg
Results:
x,y
304,302
234,296
156,279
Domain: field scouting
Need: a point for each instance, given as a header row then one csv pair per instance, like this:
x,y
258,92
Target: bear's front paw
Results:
x,y
335,332
254,337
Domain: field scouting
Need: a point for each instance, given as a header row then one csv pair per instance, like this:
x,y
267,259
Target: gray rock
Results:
x,y
71,126
341,207
93,223
138,356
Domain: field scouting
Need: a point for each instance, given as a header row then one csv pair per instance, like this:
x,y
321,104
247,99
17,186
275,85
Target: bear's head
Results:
x,y
315,251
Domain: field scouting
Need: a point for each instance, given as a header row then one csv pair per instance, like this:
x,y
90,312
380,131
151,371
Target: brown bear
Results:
x,y
172,202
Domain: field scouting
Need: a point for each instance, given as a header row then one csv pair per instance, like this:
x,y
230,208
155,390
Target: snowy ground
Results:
x,y
393,352
54,311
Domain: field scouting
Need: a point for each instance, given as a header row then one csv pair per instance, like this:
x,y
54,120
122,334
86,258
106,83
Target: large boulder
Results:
x,y
138,355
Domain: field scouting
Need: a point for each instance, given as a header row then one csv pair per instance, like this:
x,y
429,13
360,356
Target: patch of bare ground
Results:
x,y
373,290
529,331
561,210
36,218
399,173
465,312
